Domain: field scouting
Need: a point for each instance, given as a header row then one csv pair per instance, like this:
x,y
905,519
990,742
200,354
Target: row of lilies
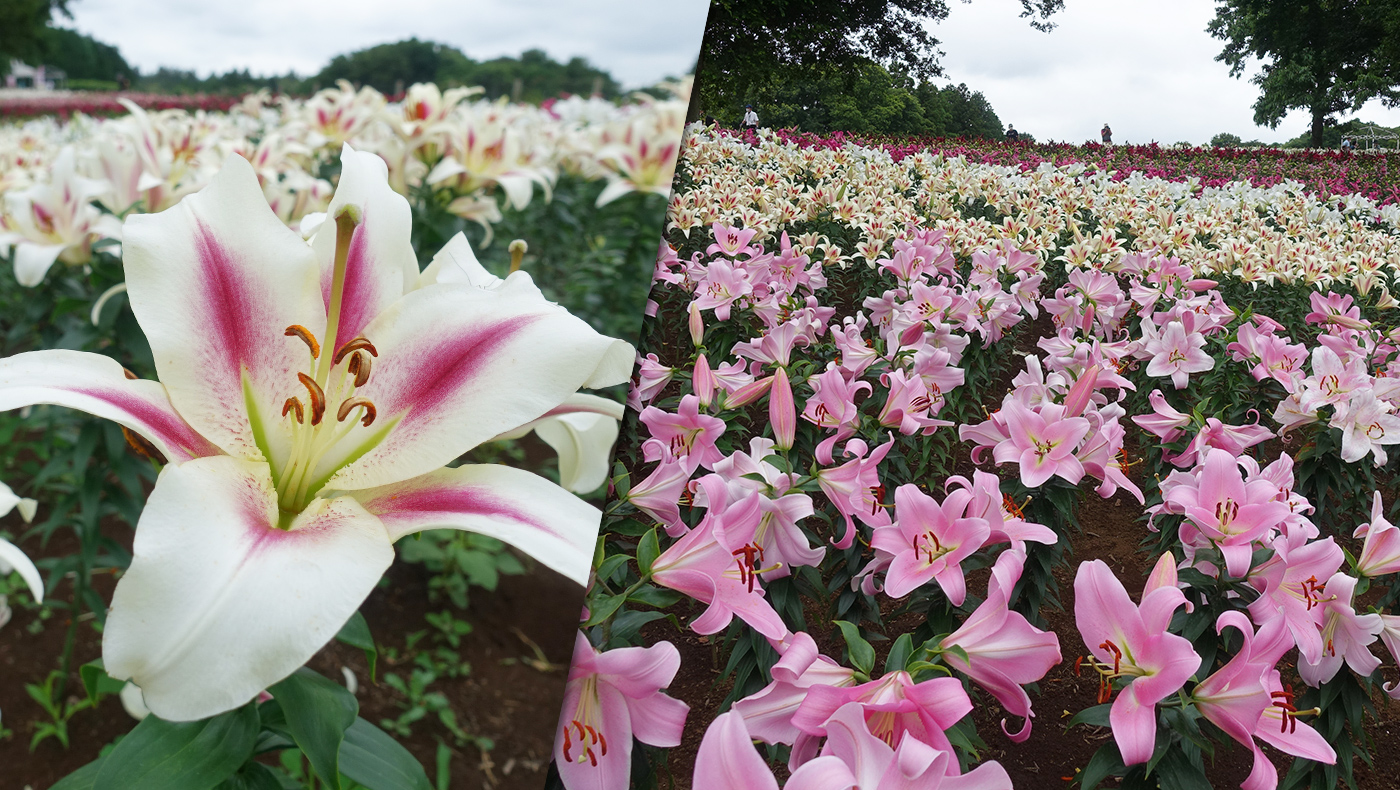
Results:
x,y
864,418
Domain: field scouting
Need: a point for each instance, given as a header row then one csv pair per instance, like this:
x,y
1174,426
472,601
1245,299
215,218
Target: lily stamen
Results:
x,y
297,330
359,368
318,398
354,345
293,404
351,404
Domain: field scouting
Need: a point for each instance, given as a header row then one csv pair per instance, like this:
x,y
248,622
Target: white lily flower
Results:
x,y
309,398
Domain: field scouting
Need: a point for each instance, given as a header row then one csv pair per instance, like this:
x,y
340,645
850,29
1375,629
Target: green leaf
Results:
x,y
372,758
355,633
193,755
603,608
1179,772
611,564
97,682
1096,716
317,711
1106,762
648,549
899,653
862,654
81,779
655,596
253,776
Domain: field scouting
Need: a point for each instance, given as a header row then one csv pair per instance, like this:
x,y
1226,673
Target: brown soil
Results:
x,y
508,697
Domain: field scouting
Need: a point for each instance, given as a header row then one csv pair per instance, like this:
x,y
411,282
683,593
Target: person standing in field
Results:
x,y
750,118
1011,134
1107,134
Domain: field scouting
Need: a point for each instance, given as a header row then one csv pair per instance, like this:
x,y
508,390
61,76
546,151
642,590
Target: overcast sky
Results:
x,y
1146,67
637,41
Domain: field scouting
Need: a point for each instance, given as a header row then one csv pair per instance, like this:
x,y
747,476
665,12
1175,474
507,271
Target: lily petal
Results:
x,y
219,603
459,365
215,282
380,265
518,507
11,555
98,385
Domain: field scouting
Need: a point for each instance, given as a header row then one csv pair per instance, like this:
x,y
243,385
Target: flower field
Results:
x,y
249,360
974,466
1368,175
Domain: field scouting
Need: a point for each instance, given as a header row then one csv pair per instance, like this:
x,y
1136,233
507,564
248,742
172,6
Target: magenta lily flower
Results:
x,y
854,488
1042,443
1346,635
718,563
309,398
1232,513
894,707
1004,651
1165,422
929,541
854,759
768,713
1380,554
687,435
610,698
1128,641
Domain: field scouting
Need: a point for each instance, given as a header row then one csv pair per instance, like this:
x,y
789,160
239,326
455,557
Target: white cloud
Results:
x,y
1146,67
637,41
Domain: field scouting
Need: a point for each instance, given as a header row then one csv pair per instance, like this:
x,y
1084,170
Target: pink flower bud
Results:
x,y
1078,397
703,382
748,393
781,411
697,326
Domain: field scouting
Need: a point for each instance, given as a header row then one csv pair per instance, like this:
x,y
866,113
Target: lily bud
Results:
x,y
703,382
697,326
1078,398
782,412
748,393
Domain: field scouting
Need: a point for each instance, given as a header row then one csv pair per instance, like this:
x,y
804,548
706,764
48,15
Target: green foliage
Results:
x,y
22,28
1323,57
534,76
82,57
747,41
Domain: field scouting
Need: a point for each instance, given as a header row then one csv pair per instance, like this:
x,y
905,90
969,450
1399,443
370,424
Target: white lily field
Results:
x,y
985,464
305,414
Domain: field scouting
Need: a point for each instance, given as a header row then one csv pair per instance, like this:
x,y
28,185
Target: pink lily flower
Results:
x,y
1132,641
894,708
1346,635
687,434
1292,586
310,396
702,381
854,488
1368,425
1380,554
1280,727
854,759
1176,353
909,402
727,760
659,494
733,242
833,407
1233,514
723,285
1004,651
1042,443
769,712
610,698
1004,517
929,541
718,563
1165,422
651,379
1335,309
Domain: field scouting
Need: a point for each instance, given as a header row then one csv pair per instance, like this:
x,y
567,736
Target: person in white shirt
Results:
x,y
750,117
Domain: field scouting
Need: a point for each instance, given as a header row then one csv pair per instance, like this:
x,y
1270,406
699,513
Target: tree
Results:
x,y
746,41
81,57
392,67
1226,140
1323,56
22,25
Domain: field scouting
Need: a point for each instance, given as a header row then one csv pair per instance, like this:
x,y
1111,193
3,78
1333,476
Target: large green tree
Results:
x,y
747,40
1322,56
22,26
